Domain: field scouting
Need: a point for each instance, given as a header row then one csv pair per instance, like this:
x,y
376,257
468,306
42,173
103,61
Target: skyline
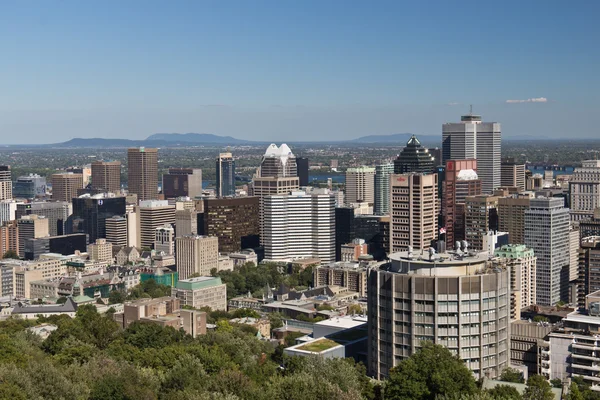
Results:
x,y
277,72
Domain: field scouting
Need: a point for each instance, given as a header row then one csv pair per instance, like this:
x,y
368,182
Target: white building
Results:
x,y
585,190
360,185
299,225
164,240
196,255
8,210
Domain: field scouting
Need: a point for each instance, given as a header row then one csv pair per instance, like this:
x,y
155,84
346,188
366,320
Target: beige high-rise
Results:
x,y
152,214
101,250
511,217
9,237
414,209
5,183
477,219
64,186
360,185
106,175
31,227
196,255
143,173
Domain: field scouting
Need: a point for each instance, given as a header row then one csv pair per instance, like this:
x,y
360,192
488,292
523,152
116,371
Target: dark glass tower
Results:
x,y
225,185
90,214
302,168
414,158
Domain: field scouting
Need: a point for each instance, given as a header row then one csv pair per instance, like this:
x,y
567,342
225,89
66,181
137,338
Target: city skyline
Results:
x,y
274,72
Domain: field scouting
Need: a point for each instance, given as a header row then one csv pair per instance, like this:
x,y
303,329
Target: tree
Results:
x,y
556,383
512,375
61,300
504,392
11,254
540,318
116,297
538,389
431,371
575,393
245,313
224,326
355,309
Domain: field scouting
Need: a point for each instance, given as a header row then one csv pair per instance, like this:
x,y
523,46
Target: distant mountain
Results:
x,y
398,139
198,138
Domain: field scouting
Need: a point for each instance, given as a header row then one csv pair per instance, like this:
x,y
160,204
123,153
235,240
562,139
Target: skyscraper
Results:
x,y
360,185
414,158
5,183
584,187
182,182
472,138
143,173
512,174
413,211
64,186
511,216
164,240
29,187
300,225
589,269
480,214
196,255
153,214
547,233
106,176
302,167
278,173
91,212
116,230
31,227
225,175
57,212
235,221
382,188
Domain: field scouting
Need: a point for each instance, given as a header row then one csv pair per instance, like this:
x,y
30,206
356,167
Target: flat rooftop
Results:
x,y
343,322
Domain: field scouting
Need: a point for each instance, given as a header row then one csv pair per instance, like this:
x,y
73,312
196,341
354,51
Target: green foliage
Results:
x,y
148,289
245,313
61,300
538,389
430,372
575,393
504,392
11,254
512,375
116,297
540,318
556,383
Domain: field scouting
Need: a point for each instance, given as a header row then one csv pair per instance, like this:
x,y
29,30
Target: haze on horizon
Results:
x,y
289,71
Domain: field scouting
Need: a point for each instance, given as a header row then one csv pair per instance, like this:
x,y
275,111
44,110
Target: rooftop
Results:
x,y
318,346
346,322
200,282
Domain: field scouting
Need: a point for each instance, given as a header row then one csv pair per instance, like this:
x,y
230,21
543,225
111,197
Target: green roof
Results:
x,y
82,299
200,282
514,251
318,345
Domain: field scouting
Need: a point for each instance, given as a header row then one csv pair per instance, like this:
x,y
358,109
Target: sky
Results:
x,y
295,70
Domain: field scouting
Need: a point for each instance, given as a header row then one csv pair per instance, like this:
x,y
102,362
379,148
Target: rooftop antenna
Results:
x,y
470,109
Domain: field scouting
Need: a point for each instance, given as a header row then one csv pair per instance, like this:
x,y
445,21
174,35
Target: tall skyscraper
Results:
x,y
143,173
589,269
29,187
5,183
9,237
547,233
360,185
302,167
57,212
182,182
522,262
65,186
512,174
414,158
382,188
300,225
413,211
472,138
584,187
460,181
8,210
153,214
116,230
278,173
225,175
91,212
511,216
106,176
31,227
196,255
186,222
235,221
481,216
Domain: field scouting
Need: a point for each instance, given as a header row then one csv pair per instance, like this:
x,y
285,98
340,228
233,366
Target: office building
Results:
x,y
512,174
534,182
152,214
349,275
300,225
234,221
590,226
225,166
164,240
573,255
203,291
57,212
302,168
474,139
31,227
65,245
414,209
354,250
29,187
584,188
26,272
455,300
511,216
186,222
8,210
143,173
106,176
278,172
522,263
91,212
65,186
182,182
481,216
116,230
382,189
461,181
414,158
589,269
6,184
547,233
196,255
9,237
101,250
360,185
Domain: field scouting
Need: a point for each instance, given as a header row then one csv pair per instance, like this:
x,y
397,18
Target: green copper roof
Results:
x,y
514,251
200,282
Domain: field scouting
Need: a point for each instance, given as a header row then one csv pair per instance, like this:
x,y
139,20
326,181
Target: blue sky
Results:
x,y
290,70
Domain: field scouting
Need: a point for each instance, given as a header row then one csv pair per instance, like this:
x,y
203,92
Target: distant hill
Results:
x,y
157,140
398,139
199,138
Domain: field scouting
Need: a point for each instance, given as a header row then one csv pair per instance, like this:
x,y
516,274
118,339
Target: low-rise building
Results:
x,y
262,325
243,257
203,291
351,275
69,308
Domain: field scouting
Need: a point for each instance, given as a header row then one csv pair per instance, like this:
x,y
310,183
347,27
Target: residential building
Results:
x,y
153,214
5,183
452,299
299,225
461,181
203,291
302,169
106,176
512,174
116,230
196,255
101,250
360,185
589,269
90,213
9,237
57,213
528,343
511,216
474,139
481,216
65,186
29,187
164,240
182,182
31,227
350,275
547,233
522,263
414,209
382,189
186,222
225,185
584,188
143,173
414,158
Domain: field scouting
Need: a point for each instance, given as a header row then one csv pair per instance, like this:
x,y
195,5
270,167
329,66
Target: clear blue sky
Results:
x,y
290,70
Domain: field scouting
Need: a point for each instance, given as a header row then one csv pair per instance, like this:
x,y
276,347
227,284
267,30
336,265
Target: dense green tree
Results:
x,y
11,254
116,297
144,334
504,392
61,300
430,372
245,312
538,388
512,375
575,393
